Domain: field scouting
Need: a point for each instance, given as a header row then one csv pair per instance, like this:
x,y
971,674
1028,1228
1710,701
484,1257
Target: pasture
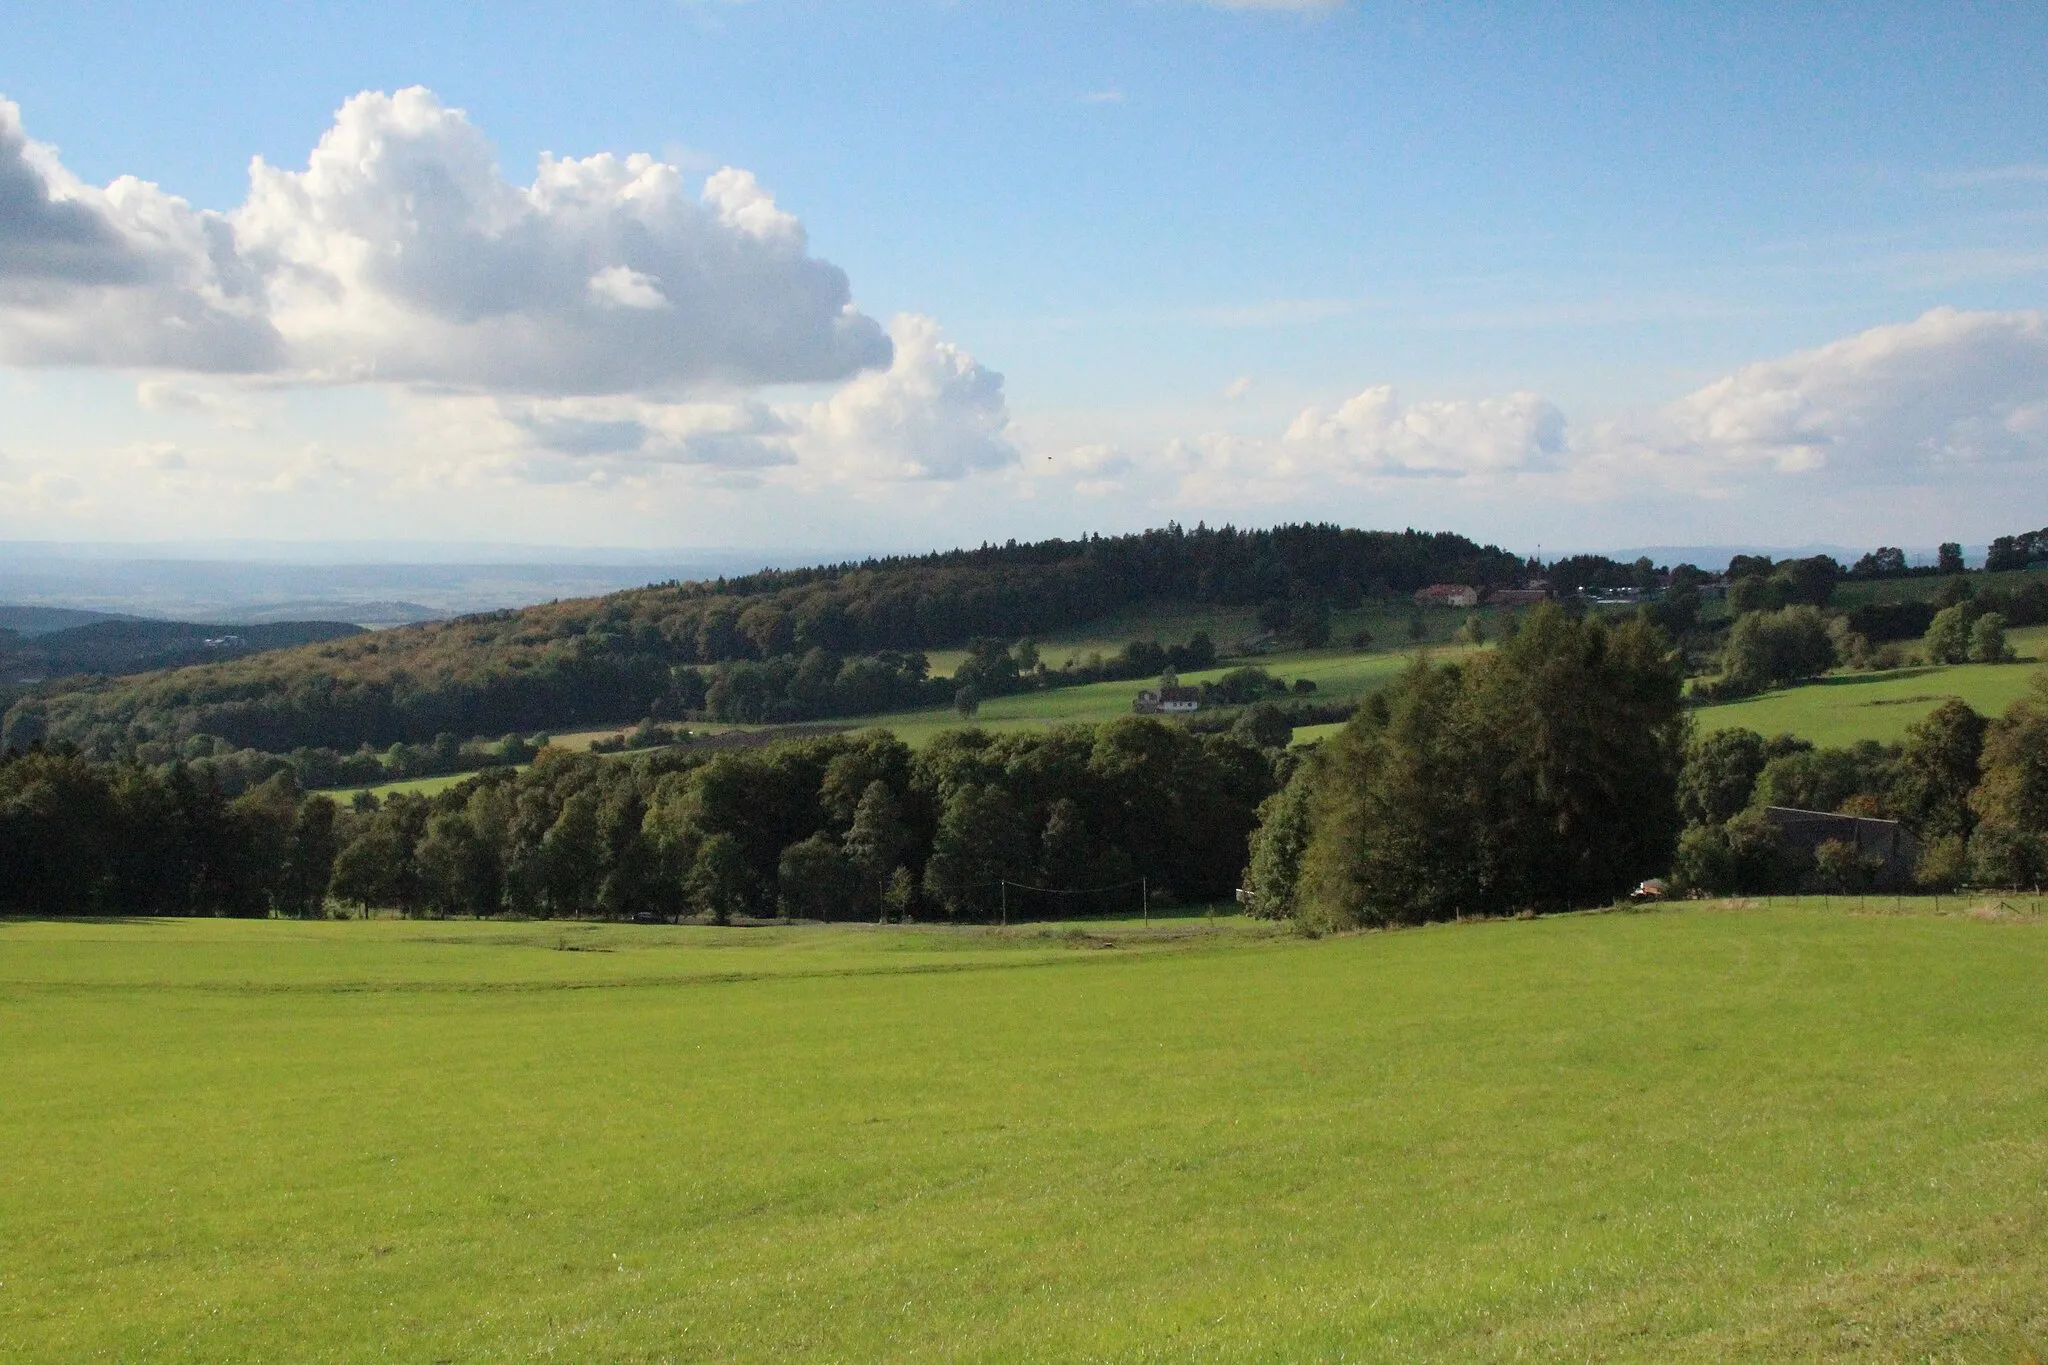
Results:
x,y
1339,675
1711,1131
1846,706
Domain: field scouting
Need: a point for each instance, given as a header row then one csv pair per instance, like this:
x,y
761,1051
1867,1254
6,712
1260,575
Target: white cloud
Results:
x,y
1900,401
399,253
182,396
1237,388
1943,397
125,275
623,287
935,413
1372,433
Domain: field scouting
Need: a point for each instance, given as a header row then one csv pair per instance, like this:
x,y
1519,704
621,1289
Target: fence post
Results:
x,y
1006,903
1145,898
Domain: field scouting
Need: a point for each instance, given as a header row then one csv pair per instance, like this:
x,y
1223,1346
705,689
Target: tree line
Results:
x,y
835,827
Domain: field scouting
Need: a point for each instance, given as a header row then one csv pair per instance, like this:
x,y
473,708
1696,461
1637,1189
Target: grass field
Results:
x,y
1847,706
1702,1133
1339,675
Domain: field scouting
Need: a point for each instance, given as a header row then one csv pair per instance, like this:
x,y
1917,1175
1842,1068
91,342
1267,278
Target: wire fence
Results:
x,y
1142,885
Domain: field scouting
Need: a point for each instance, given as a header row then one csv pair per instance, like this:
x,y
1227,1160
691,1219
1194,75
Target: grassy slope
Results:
x,y
1338,674
1847,706
1699,1134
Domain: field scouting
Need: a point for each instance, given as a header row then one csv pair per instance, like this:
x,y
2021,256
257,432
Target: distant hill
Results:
x,y
32,621
371,614
128,645
836,639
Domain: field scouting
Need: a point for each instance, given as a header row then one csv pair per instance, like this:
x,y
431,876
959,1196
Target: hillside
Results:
x,y
1848,705
840,640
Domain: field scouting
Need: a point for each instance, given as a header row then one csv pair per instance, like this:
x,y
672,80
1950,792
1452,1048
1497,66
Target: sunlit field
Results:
x,y
1847,706
1339,675
1794,1131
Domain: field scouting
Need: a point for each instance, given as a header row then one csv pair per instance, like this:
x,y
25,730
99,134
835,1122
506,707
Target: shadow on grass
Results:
x,y
1858,679
138,920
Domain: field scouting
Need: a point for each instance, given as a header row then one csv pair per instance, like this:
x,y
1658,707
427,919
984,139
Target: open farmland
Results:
x,y
1707,1132
1339,675
1846,706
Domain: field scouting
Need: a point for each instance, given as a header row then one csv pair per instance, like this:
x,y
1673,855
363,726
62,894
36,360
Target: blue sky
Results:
x,y
1587,275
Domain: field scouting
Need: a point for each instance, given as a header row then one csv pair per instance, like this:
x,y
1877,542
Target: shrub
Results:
x,y
1943,864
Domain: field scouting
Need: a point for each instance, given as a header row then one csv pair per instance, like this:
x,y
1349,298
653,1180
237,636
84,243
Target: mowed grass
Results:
x,y
1700,1133
1847,706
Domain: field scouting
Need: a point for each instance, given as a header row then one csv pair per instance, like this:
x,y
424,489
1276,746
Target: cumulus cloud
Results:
x,y
1944,394
934,414
48,228
125,275
400,253
1949,388
1374,433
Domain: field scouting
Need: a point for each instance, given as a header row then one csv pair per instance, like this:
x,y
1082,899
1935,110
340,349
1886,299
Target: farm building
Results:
x,y
1447,595
1886,840
1167,700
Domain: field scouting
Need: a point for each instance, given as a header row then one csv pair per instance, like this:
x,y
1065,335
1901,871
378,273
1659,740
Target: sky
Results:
x,y
899,276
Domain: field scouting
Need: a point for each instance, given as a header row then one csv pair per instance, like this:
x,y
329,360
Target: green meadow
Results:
x,y
1846,706
1767,1132
1339,675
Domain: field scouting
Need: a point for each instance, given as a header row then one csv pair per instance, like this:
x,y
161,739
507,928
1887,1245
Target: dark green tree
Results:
x,y
1719,776
721,884
981,841
816,880
877,841
1938,769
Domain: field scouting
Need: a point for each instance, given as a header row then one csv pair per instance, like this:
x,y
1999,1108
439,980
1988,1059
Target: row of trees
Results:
x,y
82,838
840,826
1767,648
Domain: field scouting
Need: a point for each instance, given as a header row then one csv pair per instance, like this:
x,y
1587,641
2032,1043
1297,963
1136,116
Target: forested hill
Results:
x,y
858,627
131,645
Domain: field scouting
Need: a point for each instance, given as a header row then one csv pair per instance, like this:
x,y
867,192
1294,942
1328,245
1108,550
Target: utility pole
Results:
x,y
1145,898
1006,904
